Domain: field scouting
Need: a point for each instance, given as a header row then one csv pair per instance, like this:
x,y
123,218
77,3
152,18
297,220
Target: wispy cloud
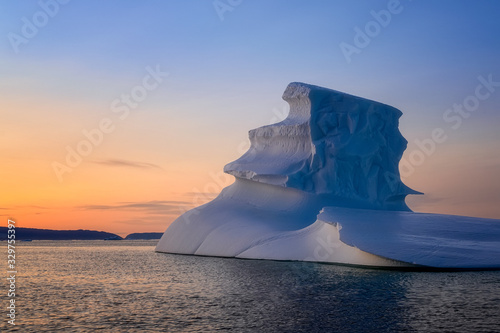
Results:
x,y
150,207
160,222
127,164
206,194
24,206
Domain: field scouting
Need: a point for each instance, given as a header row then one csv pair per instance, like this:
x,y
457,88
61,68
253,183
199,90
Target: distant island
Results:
x,y
47,234
145,235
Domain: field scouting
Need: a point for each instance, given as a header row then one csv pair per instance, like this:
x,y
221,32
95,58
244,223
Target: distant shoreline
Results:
x,y
26,234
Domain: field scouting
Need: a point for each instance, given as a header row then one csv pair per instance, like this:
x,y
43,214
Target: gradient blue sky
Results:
x,y
226,77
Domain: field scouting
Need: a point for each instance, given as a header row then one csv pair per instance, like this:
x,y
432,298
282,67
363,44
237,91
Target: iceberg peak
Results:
x,y
330,143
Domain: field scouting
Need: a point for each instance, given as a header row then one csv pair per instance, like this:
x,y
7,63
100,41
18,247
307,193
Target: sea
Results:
x,y
125,286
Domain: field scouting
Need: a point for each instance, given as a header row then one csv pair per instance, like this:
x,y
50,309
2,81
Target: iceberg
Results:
x,y
323,185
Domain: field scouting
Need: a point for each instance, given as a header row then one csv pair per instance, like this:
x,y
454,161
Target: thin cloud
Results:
x,y
161,223
21,207
164,207
206,194
25,206
127,164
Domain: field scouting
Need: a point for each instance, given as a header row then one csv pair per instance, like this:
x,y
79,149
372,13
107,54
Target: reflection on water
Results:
x,y
126,286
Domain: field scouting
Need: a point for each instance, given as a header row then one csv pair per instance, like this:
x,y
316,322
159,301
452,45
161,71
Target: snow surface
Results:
x,y
323,185
434,240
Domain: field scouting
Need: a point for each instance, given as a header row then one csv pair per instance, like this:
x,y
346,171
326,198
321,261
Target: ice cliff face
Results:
x,y
323,185
330,143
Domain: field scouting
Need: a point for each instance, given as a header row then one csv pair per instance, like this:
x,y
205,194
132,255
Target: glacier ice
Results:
x,y
323,185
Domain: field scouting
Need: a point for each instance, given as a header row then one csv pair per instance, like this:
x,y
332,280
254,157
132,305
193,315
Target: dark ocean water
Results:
x,y
124,286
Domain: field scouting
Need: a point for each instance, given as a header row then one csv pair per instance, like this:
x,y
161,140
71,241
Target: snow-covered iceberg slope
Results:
x,y
434,240
323,185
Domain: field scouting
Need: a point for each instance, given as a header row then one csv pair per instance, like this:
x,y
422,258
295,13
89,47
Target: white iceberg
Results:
x,y
323,185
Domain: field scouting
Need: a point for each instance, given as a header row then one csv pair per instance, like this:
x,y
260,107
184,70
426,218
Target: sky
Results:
x,y
120,115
